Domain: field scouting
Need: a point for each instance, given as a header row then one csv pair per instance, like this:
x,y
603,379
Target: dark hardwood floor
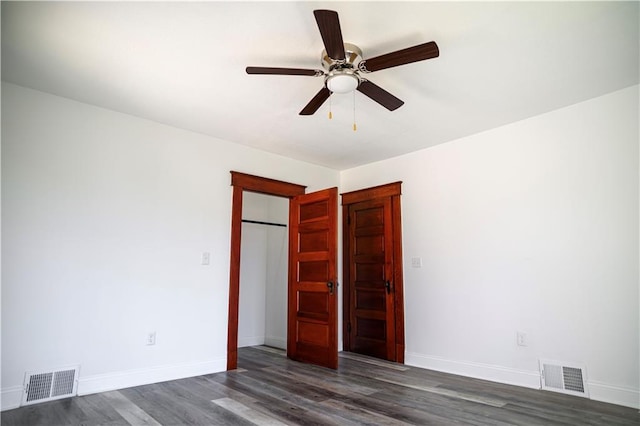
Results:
x,y
269,389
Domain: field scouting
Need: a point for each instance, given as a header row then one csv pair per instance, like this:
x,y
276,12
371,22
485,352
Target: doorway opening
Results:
x,y
262,316
242,183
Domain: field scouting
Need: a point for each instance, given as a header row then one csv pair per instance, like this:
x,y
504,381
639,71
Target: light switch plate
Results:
x,y
416,262
151,338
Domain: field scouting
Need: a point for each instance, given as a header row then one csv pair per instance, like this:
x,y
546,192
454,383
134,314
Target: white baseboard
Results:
x,y
276,342
250,341
528,379
10,398
614,394
494,373
126,379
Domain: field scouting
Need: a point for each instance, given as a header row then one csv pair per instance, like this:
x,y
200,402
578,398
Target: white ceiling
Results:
x,y
183,64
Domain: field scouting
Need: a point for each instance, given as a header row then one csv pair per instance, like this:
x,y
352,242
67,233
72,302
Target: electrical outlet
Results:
x,y
206,257
151,338
521,338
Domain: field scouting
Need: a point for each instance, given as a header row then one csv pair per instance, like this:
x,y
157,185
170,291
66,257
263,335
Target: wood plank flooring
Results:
x,y
269,389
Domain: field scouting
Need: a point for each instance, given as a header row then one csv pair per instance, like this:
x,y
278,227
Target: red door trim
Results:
x,y
243,182
381,191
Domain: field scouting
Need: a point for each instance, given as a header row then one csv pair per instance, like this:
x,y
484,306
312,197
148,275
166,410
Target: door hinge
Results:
x,y
348,327
349,220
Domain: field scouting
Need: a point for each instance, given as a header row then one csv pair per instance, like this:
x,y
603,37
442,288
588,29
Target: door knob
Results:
x,y
330,285
387,285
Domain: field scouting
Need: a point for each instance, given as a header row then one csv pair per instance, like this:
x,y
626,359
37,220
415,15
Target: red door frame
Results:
x,y
243,182
393,190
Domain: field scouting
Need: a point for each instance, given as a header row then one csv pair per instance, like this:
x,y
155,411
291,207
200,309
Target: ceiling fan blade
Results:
x,y
316,102
380,95
329,27
284,71
401,57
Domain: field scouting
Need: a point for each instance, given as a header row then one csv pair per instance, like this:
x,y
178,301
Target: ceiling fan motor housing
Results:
x,y
342,75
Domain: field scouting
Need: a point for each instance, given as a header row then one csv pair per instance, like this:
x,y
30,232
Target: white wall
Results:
x,y
277,274
105,217
530,227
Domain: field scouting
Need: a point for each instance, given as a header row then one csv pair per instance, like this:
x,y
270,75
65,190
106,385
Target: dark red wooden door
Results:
x,y
372,292
313,297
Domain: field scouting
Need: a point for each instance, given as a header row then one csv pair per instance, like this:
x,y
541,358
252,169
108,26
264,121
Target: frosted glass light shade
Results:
x,y
342,83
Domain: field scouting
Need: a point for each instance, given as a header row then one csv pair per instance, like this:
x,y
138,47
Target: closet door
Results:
x,y
372,314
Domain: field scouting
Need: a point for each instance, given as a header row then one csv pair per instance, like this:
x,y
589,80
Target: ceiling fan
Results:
x,y
344,66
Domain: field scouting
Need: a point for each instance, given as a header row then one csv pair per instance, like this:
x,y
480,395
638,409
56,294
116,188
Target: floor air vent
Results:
x,y
563,377
47,386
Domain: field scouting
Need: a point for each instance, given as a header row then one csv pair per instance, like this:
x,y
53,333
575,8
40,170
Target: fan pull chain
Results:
x,y
354,111
330,114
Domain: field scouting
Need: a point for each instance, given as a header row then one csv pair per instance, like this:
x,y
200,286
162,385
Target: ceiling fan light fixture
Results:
x,y
342,82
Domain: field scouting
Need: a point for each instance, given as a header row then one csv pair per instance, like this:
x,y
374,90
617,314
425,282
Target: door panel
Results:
x,y
313,301
372,313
